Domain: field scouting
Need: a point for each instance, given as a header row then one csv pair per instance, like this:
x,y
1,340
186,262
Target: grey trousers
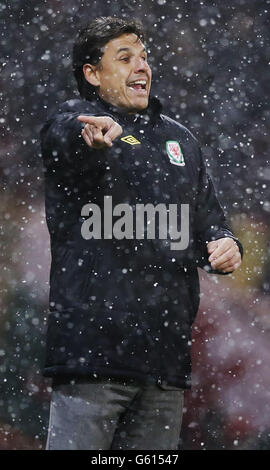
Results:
x,y
111,414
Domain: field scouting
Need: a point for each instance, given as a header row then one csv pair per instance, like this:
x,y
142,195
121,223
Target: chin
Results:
x,y
141,105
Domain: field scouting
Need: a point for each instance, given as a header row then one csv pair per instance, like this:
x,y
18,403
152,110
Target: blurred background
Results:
x,y
210,64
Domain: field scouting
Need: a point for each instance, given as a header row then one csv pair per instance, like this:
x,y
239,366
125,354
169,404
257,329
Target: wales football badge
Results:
x,y
175,153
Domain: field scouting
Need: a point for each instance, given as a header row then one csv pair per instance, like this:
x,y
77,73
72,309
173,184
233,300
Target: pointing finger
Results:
x,y
102,122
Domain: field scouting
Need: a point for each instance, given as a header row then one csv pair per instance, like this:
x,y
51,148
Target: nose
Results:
x,y
141,65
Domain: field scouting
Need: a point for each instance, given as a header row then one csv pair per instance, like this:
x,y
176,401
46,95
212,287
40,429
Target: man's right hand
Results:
x,y
100,132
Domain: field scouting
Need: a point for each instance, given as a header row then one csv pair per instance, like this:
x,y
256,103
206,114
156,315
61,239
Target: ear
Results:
x,y
91,74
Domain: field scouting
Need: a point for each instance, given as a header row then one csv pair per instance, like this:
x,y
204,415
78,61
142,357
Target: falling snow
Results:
x,y
210,63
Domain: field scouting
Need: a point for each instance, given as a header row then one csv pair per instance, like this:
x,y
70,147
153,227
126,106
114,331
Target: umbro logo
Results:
x,y
129,139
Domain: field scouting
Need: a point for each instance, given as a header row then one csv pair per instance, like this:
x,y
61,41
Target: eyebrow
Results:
x,y
127,49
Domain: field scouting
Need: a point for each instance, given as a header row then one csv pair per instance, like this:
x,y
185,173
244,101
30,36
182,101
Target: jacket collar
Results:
x,y
150,114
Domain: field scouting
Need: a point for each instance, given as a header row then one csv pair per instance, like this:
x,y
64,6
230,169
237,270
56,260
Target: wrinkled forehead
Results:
x,y
130,41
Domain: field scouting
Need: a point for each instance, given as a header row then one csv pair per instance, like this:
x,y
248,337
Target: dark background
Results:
x,y
210,64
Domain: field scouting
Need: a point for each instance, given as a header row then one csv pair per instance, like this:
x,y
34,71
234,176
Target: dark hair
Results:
x,y
90,41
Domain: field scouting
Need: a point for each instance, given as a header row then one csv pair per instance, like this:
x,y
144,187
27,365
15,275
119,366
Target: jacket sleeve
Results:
x,y
61,138
62,143
210,221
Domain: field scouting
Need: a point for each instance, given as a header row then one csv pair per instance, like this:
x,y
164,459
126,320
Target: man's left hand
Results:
x,y
224,255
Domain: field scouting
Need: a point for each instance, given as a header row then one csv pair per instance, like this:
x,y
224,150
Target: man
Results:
x,y
122,303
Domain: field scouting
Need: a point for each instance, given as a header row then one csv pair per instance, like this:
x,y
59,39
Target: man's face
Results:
x,y
123,75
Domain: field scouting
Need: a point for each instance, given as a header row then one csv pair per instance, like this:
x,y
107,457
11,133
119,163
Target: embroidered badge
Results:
x,y
129,139
175,153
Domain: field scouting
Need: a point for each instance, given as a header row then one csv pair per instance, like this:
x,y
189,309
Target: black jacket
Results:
x,y
124,308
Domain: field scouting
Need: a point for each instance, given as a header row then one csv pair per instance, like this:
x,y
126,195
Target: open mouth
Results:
x,y
138,85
